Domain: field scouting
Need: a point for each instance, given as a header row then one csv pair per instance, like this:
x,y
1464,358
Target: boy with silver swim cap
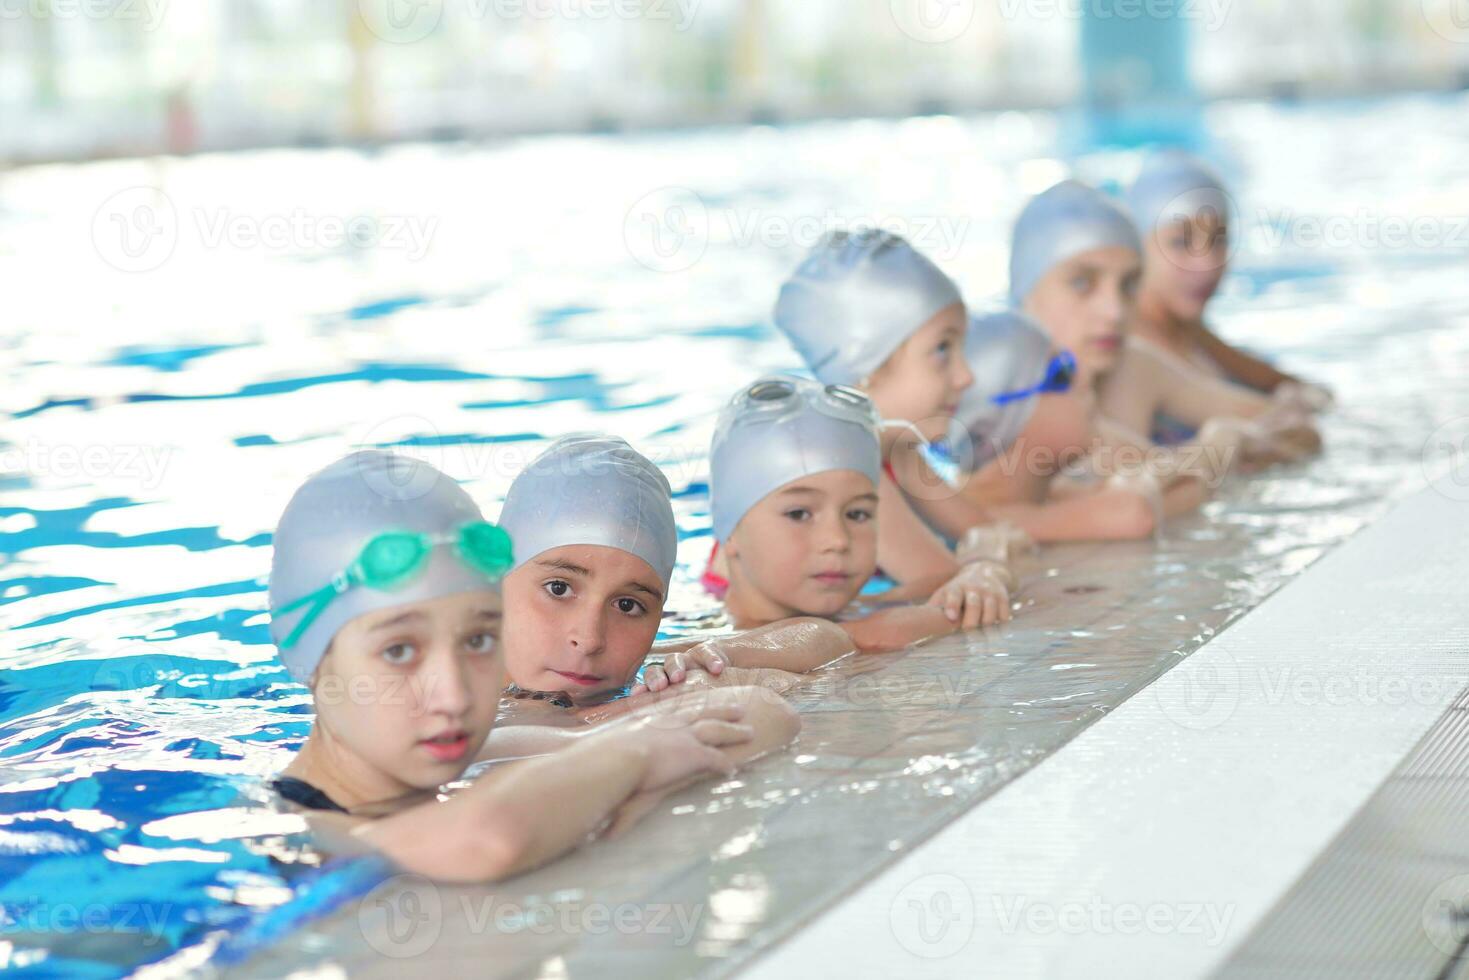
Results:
x,y
595,553
597,547
794,471
385,601
1189,224
868,310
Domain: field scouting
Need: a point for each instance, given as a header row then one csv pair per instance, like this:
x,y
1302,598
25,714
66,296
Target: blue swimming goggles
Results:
x,y
1060,374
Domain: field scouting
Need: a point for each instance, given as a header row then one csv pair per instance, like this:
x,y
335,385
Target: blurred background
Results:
x,y
89,78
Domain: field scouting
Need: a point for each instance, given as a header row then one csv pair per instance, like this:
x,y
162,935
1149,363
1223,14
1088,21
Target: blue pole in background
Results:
x,y
1137,84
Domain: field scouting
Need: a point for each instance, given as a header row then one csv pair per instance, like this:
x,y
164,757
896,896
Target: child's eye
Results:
x,y
860,515
480,643
1129,286
558,588
1081,284
400,653
798,514
631,607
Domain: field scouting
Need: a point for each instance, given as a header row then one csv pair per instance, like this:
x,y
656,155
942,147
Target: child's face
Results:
x,y
1186,263
582,619
808,548
412,691
922,381
1087,303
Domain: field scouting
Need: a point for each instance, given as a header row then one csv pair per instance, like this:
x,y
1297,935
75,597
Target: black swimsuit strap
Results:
x,y
302,793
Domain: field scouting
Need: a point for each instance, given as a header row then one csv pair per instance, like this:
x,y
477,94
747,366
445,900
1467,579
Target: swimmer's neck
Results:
x,y
1157,323
748,610
344,776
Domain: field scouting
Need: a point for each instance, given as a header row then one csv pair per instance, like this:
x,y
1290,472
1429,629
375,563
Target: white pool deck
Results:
x,y
1153,843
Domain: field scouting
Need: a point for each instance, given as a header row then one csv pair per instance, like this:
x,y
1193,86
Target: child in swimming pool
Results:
x,y
385,601
1183,211
1075,265
794,471
865,309
1014,418
596,539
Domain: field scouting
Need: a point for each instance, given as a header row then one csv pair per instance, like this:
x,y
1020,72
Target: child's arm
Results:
x,y
897,629
535,810
794,645
1100,515
1240,365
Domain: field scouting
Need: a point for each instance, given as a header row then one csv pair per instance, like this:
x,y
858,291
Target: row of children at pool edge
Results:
x,y
407,614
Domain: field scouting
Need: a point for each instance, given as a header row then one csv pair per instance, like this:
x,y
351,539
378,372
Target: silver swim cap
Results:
x,y
781,429
1065,221
320,541
597,490
1174,185
855,299
1007,352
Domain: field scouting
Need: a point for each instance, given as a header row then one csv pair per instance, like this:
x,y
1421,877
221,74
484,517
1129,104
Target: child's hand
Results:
x,y
1313,398
685,742
1140,482
998,542
978,596
676,666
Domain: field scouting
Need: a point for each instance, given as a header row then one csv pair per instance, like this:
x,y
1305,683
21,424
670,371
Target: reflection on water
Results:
x,y
157,422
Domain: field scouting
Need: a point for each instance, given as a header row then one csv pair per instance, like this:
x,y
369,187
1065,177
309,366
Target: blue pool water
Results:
x,y
163,399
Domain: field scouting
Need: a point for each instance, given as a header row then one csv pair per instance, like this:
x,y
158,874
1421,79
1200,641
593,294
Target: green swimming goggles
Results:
x,y
394,558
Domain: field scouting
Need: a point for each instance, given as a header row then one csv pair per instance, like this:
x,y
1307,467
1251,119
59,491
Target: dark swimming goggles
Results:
x,y
1060,374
